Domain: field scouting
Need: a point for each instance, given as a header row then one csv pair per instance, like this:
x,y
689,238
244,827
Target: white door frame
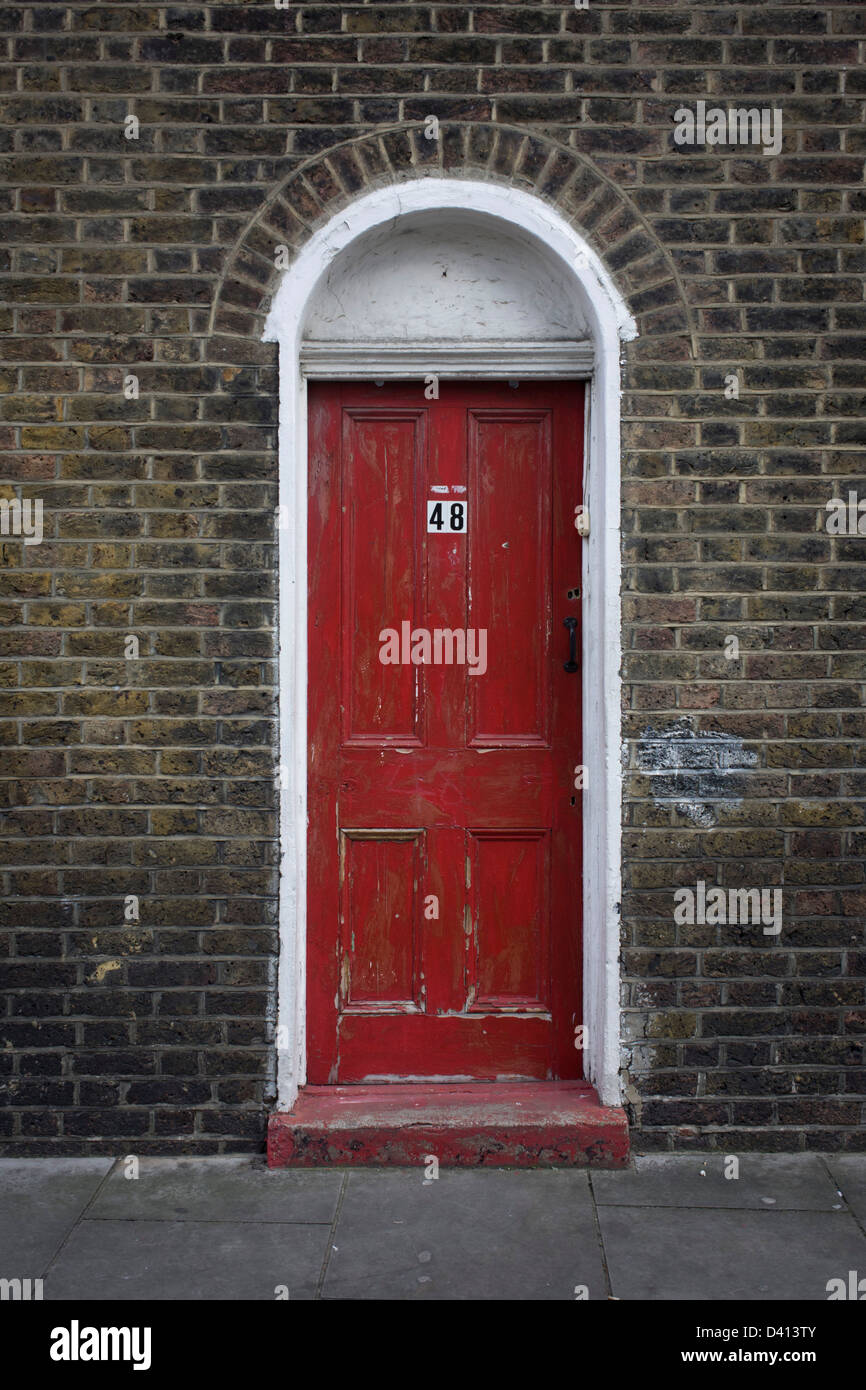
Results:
x,y
610,323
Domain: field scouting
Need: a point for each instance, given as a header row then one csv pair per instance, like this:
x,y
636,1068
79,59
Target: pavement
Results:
x,y
668,1228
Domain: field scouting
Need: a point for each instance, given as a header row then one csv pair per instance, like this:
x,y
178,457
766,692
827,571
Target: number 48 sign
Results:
x,y
446,516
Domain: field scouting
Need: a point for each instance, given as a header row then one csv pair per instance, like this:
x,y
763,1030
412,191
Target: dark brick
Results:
x,y
156,257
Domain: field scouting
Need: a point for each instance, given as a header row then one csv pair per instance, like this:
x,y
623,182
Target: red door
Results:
x,y
444,732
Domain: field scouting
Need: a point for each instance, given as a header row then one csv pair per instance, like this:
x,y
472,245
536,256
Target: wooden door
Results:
x,y
444,898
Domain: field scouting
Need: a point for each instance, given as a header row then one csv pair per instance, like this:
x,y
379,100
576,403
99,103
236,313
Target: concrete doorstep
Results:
x,y
684,1227
543,1124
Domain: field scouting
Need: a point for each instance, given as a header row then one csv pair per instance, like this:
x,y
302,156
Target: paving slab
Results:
x,y
849,1174
656,1254
488,1234
781,1182
188,1260
40,1199
235,1188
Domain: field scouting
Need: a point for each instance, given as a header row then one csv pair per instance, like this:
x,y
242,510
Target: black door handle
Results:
x,y
571,665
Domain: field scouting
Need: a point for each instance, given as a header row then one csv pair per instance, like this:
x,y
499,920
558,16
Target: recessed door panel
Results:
x,y
380,939
382,558
508,955
509,572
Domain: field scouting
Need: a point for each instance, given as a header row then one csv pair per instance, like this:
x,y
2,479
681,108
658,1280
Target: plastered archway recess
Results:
x,y
609,322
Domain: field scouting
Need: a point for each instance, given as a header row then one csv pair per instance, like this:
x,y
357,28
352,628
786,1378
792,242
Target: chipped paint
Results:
x,y
632,1098
694,770
103,969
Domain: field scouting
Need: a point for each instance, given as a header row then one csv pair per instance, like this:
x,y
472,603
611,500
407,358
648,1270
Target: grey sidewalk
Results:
x,y
228,1228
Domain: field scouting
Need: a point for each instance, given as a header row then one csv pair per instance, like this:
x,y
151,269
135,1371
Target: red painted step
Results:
x,y
508,1125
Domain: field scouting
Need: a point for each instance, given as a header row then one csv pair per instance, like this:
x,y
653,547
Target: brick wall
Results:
x,y
150,777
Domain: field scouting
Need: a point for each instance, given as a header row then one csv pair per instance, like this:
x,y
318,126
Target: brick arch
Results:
x,y
323,185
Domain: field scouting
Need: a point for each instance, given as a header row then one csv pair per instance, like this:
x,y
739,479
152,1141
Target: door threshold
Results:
x,y
520,1124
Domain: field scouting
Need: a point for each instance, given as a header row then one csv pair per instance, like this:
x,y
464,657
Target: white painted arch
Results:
x,y
522,221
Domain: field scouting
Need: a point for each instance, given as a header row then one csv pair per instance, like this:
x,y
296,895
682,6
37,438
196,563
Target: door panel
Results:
x,y
384,476
445,831
509,555
509,966
379,961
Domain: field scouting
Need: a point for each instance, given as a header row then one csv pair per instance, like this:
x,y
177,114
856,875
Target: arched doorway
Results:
x,y
528,299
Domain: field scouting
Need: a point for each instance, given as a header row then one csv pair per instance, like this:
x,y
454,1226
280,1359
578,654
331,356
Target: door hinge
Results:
x,y
581,520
